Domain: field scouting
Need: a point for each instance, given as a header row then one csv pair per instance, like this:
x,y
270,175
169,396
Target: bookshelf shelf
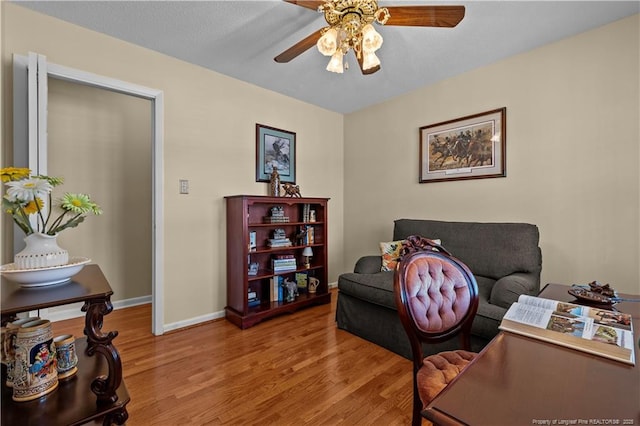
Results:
x,y
249,233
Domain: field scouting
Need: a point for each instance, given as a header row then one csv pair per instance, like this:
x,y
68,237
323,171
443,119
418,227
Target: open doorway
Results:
x,y
31,79
100,142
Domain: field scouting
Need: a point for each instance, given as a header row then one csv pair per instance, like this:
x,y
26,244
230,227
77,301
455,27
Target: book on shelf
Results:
x,y
252,241
302,279
276,290
589,329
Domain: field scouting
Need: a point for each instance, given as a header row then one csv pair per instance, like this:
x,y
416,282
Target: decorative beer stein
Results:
x,y
66,355
35,372
9,346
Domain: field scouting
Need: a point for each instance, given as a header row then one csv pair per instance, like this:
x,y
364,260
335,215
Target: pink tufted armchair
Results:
x,y
437,298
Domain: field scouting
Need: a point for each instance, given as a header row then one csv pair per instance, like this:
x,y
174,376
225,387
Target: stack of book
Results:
x,y
252,298
277,216
279,239
283,263
279,242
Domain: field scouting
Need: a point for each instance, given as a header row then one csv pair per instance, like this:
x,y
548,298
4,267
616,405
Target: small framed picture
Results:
x,y
275,148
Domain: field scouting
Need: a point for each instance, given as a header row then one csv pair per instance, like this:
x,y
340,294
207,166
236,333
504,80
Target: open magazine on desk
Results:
x,y
590,329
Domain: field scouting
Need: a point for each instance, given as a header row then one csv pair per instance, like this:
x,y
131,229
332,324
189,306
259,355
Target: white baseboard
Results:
x,y
74,310
193,321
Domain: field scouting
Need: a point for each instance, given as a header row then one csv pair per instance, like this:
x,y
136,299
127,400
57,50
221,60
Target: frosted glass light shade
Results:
x,y
307,252
328,43
371,39
370,60
335,64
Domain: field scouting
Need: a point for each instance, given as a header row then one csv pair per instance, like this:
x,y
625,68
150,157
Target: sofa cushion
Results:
x,y
374,288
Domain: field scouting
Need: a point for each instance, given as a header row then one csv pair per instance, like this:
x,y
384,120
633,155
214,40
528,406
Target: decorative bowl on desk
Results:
x,y
40,277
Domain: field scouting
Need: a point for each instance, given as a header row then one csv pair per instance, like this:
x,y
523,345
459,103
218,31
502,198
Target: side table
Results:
x,y
97,391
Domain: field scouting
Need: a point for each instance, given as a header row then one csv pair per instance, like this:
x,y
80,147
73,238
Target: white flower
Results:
x,y
28,189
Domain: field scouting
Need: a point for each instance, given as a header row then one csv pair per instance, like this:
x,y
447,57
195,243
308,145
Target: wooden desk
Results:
x,y
522,381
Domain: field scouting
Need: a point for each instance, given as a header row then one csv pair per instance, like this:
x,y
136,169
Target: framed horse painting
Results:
x,y
471,147
275,148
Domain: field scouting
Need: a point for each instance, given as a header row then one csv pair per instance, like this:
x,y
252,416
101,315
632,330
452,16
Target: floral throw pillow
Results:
x,y
390,254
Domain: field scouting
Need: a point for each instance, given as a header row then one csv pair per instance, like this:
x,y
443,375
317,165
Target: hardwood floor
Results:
x,y
291,370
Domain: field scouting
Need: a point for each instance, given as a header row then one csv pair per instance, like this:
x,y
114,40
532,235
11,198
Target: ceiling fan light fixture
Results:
x,y
371,39
328,43
335,64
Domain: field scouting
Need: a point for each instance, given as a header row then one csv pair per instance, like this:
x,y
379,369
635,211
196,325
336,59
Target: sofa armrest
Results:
x,y
368,265
507,289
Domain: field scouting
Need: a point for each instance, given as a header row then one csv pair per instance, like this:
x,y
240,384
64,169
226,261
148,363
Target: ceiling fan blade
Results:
x,y
309,4
298,48
425,16
368,71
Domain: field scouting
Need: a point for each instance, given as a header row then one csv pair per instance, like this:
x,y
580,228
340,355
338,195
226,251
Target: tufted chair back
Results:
x,y
437,299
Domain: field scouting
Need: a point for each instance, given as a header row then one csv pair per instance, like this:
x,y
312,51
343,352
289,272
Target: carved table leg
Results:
x,y
103,386
116,418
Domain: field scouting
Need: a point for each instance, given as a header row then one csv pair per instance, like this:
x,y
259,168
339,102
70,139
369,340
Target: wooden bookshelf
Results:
x,y
248,214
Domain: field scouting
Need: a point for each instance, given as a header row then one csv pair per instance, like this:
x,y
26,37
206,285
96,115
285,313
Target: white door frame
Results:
x,y
38,149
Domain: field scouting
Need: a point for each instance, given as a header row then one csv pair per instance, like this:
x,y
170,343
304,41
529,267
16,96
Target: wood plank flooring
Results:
x,y
295,369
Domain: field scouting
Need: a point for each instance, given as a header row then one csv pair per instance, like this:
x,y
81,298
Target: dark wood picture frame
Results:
x,y
471,147
275,147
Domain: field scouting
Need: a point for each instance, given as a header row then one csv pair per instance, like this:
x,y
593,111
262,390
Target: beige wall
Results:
x,y
209,139
572,156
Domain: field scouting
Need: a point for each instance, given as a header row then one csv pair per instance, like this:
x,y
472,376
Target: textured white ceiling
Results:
x,y
241,38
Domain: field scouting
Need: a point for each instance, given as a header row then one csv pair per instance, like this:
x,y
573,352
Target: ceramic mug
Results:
x,y
313,284
66,355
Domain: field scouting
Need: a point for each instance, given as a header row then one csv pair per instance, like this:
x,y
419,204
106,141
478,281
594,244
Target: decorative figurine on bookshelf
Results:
x,y
291,190
292,290
274,183
313,284
253,268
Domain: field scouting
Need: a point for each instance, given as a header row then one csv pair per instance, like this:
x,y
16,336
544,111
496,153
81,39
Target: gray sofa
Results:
x,y
504,258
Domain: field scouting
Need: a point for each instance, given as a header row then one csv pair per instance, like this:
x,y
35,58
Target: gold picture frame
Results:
x,y
471,147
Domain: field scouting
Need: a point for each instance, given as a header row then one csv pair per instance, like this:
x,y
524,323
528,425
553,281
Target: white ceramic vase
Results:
x,y
42,251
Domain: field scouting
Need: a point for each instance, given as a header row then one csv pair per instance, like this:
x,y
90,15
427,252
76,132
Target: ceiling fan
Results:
x,y
350,28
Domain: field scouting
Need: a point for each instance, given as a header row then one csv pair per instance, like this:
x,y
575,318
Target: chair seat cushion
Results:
x,y
439,370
